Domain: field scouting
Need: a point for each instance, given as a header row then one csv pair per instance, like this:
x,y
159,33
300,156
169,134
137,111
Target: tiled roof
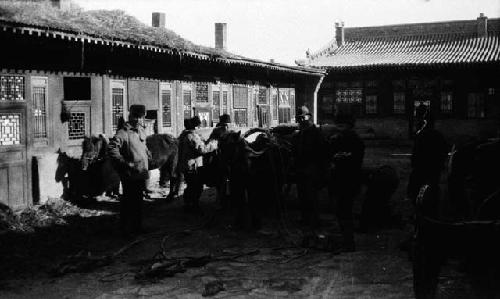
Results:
x,y
373,48
116,28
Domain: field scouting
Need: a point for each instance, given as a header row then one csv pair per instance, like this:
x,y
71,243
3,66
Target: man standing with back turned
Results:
x,y
129,154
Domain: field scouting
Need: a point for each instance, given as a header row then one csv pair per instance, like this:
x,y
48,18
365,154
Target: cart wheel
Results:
x,y
426,267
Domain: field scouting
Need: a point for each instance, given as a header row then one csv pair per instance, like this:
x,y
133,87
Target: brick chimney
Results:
x,y
221,36
158,19
339,33
61,4
482,25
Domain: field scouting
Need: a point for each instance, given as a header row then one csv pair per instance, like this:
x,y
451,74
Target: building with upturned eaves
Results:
x,y
382,73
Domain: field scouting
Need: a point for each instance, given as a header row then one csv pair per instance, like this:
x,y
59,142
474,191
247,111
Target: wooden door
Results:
x,y
13,162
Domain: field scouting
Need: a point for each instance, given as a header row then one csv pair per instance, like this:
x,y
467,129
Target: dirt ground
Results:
x,y
235,263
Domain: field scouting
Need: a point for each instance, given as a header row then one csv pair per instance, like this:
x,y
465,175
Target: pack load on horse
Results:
x,y
255,171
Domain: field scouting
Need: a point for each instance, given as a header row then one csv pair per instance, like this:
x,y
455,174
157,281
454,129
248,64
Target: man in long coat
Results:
x,y
217,169
129,154
428,160
347,150
310,160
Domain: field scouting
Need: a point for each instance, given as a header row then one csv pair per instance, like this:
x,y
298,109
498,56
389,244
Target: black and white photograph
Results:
x,y
250,149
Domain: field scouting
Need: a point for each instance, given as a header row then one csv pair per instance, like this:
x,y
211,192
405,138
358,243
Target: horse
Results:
x,y
77,183
470,179
254,172
163,151
98,166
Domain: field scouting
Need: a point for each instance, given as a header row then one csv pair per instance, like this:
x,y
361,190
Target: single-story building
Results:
x,y
66,73
383,73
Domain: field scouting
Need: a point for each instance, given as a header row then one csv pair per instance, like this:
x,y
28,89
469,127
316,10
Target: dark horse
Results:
x,y
89,176
256,175
474,176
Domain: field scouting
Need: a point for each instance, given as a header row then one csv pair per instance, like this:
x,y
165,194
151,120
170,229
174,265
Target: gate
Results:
x,y
13,161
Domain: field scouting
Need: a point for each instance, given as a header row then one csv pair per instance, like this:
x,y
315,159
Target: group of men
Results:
x,y
129,154
334,162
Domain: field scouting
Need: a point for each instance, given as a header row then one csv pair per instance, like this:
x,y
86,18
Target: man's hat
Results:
x,y
303,111
137,110
225,119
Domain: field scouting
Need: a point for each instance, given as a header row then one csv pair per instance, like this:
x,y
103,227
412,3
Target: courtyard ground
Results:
x,y
189,256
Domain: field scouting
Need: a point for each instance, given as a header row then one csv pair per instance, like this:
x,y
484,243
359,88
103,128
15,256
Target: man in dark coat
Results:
x,y
128,151
429,156
216,167
310,159
191,149
347,150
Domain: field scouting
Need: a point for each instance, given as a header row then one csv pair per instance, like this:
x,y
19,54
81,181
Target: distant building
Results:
x,y
382,73
67,74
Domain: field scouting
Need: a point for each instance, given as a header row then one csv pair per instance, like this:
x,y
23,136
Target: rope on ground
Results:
x,y
84,261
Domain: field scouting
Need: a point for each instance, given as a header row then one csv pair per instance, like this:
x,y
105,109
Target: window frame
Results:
x,y
166,86
118,84
22,89
482,97
396,109
239,124
450,104
367,104
237,91
185,88
36,82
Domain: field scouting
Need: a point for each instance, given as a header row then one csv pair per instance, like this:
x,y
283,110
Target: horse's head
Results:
x,y
93,149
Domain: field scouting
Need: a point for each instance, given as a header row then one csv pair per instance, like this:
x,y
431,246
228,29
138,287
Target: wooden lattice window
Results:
x,y
399,103
240,117
166,102
216,105
446,102
284,115
39,107
76,125
475,105
186,96
274,99
225,95
202,92
263,96
292,103
117,97
371,104
10,129
216,98
11,88
240,97
349,95
284,99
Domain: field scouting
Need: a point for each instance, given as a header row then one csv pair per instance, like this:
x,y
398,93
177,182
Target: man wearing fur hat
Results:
x,y
309,155
128,151
348,151
191,150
